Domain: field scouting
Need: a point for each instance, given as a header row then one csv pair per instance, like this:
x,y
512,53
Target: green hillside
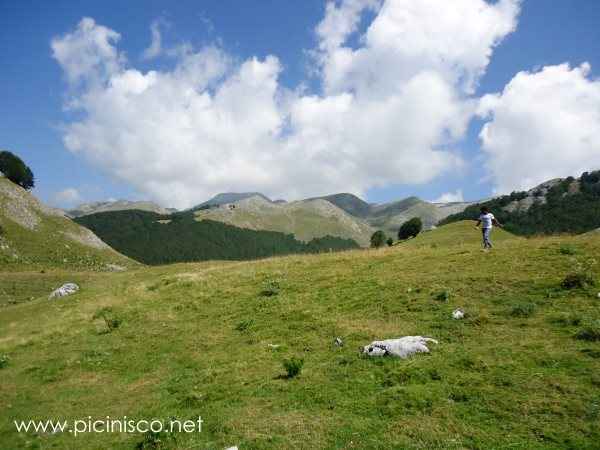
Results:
x,y
559,206
521,371
306,219
155,239
35,236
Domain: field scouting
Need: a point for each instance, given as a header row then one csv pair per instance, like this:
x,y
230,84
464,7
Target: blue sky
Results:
x,y
33,87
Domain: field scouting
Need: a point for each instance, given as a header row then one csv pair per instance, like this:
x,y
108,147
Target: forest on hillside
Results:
x,y
155,239
561,212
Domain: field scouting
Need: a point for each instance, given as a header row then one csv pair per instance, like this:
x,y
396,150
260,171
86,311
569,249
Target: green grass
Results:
x,y
49,245
201,339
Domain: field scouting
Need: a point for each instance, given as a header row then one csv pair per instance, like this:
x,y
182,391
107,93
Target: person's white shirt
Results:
x,y
486,220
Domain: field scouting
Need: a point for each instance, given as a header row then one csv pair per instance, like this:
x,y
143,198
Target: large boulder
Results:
x,y
401,347
64,290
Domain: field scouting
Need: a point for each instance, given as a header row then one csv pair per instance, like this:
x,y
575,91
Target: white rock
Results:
x,y
598,294
401,348
458,314
338,341
232,448
64,290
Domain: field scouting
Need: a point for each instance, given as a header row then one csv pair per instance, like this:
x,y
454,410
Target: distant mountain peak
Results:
x,y
117,205
229,197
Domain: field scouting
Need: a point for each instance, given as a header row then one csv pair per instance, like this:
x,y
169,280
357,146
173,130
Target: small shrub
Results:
x,y
523,310
390,242
578,280
293,367
4,361
442,296
156,441
270,288
377,239
244,325
112,322
566,249
565,319
591,332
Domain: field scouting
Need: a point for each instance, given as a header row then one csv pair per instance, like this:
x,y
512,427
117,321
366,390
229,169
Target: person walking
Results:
x,y
487,221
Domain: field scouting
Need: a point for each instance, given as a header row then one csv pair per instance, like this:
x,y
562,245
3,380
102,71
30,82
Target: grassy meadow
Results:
x,y
521,371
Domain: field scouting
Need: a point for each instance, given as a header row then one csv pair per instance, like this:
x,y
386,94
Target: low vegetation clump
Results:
x,y
4,361
566,249
111,321
591,332
271,288
578,280
293,366
156,441
523,310
442,296
244,325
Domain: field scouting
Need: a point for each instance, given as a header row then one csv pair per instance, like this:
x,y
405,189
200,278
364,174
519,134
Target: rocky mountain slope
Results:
x,y
390,216
562,205
118,205
33,234
230,197
306,219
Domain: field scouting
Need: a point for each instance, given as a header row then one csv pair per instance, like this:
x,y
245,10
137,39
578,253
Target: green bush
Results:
x,y
523,310
293,366
4,361
377,239
578,280
410,228
16,170
390,242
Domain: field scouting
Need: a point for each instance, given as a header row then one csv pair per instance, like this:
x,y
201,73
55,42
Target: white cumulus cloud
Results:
x,y
67,198
155,48
450,197
391,111
544,125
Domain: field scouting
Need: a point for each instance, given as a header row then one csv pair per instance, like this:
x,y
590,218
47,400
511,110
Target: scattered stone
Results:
x,y
273,345
598,294
458,314
64,290
401,347
116,268
232,448
338,341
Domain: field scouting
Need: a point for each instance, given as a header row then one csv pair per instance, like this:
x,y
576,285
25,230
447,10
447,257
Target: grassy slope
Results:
x,y
303,220
495,381
48,245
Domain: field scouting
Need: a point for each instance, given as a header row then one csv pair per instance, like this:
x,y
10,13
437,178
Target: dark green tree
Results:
x,y
377,239
390,242
410,228
16,170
